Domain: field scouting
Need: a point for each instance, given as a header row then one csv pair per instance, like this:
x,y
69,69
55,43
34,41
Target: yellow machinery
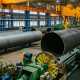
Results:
x,y
55,69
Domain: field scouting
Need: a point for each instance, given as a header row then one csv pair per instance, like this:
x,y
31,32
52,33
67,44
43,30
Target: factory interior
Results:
x,y
39,39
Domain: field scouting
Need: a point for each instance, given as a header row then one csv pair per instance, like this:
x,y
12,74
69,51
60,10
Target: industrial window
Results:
x,y
18,11
33,23
42,13
52,22
18,23
15,23
33,12
42,23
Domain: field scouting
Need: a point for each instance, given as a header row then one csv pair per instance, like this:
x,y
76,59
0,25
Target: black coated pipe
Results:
x,y
8,40
60,42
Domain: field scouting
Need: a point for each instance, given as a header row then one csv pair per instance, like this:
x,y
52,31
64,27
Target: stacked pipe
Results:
x,y
60,42
12,39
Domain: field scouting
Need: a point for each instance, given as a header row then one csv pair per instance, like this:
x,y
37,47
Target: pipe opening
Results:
x,y
52,42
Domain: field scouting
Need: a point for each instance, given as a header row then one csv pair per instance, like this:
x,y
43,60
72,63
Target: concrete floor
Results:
x,y
15,56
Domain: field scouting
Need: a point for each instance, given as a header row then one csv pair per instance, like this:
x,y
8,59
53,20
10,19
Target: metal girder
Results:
x,y
19,1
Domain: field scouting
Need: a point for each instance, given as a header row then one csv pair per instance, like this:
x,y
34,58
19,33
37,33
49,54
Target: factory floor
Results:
x,y
14,57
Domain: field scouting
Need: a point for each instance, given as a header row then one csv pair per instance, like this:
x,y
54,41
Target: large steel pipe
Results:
x,y
59,42
9,33
19,38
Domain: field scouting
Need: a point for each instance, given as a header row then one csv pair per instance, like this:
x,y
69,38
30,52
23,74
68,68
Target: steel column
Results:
x,y
11,18
2,23
48,17
27,21
38,19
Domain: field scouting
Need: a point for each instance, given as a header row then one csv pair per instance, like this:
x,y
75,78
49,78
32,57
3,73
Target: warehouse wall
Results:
x,y
14,19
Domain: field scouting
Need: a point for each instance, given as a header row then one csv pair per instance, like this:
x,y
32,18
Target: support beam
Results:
x,y
38,19
2,27
27,20
11,15
26,8
48,20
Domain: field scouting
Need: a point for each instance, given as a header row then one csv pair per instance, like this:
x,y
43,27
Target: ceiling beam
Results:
x,y
19,1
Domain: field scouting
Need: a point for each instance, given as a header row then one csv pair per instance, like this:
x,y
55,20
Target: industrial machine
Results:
x,y
59,57
65,45
39,68
44,66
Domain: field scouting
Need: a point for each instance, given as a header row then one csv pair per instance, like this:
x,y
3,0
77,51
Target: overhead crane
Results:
x,y
27,8
19,1
68,11
59,7
11,4
12,1
61,10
